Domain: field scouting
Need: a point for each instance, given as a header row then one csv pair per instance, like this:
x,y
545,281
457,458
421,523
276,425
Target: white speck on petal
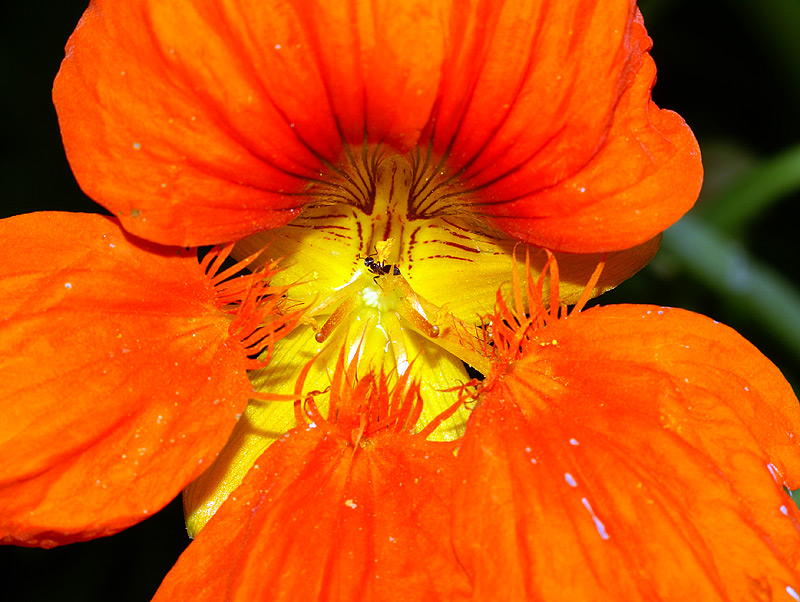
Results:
x,y
601,528
573,442
785,510
350,504
137,145
570,479
792,593
67,285
773,471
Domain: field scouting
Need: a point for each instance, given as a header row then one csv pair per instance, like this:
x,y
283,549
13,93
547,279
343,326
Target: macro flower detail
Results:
x,y
646,449
208,120
330,307
365,497
160,349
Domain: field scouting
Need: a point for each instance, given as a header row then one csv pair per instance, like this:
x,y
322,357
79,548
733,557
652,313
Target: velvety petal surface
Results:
x,y
319,519
200,122
545,113
119,382
636,453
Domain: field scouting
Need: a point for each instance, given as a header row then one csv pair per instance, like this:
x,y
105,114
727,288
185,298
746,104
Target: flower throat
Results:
x,y
394,272
381,263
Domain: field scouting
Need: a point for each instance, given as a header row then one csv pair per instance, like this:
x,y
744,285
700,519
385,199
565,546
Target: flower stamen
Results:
x,y
340,314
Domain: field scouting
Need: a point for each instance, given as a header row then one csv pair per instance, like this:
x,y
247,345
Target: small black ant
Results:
x,y
379,268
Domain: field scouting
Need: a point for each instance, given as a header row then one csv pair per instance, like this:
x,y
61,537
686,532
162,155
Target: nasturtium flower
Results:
x,y
323,213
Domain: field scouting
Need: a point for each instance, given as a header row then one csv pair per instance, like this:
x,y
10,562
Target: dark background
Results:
x,y
730,67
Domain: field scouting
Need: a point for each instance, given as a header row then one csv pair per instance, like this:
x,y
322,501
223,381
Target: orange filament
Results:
x,y
413,316
366,405
258,313
515,330
344,309
409,306
587,291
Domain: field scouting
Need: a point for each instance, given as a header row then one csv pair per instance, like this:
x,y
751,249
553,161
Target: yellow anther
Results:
x,y
383,249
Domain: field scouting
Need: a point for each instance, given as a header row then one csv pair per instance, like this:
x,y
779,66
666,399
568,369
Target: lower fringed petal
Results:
x,y
119,382
639,453
264,422
318,518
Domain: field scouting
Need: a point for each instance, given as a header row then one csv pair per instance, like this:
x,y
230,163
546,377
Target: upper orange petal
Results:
x,y
201,121
119,381
545,108
637,453
332,512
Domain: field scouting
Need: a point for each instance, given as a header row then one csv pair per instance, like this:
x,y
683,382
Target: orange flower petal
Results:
x,y
118,380
546,109
317,520
639,454
199,122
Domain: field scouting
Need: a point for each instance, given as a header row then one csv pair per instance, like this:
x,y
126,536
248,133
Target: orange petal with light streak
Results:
x,y
200,122
546,113
119,382
313,521
640,453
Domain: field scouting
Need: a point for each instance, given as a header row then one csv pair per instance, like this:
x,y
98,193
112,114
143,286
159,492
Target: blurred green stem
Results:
x,y
727,268
747,198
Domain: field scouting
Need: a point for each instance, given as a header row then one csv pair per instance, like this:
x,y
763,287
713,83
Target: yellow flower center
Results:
x,y
393,264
